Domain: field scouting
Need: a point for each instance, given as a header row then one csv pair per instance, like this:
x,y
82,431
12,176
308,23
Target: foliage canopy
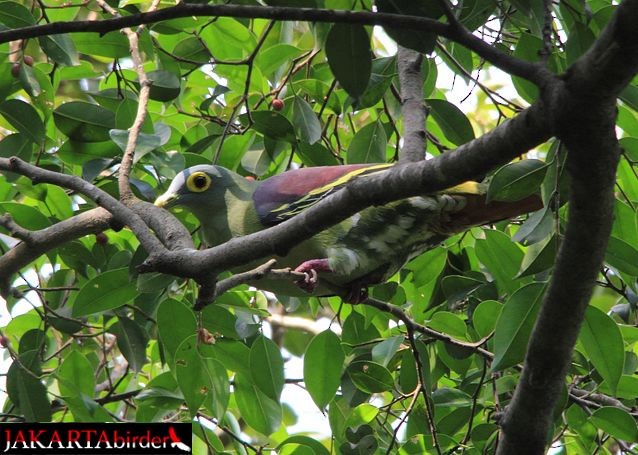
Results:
x,y
93,339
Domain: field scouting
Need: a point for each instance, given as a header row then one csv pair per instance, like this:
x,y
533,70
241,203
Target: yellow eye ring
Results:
x,y
198,182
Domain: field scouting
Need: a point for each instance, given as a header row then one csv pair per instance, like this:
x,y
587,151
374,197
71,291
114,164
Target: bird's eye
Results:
x,y
198,182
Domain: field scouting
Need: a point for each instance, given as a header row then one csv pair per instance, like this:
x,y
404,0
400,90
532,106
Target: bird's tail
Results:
x,y
477,211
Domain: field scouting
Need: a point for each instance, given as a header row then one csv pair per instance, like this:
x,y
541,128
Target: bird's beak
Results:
x,y
166,200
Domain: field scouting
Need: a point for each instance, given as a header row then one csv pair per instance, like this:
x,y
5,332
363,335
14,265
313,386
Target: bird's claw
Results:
x,y
310,269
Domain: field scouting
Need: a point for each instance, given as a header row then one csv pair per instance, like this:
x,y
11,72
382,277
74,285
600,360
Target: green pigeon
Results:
x,y
362,250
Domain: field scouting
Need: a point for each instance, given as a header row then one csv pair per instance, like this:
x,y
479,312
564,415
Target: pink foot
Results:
x,y
311,268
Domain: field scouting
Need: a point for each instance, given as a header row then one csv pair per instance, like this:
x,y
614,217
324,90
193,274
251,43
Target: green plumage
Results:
x,y
364,249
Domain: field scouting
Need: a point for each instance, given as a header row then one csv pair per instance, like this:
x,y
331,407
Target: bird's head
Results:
x,y
200,188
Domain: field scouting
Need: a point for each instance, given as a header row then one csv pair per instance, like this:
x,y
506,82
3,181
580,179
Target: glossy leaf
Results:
x,y
273,125
517,180
622,256
24,118
112,44
175,322
370,377
502,258
617,422
107,291
514,325
368,145
305,121
603,343
84,122
267,367
257,409
349,56
132,341
323,362
413,39
452,121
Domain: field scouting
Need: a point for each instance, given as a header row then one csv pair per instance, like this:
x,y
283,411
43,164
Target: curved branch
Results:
x,y
584,108
512,65
120,212
36,243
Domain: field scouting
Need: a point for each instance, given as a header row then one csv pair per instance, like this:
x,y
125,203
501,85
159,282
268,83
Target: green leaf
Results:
x,y
84,122
112,44
452,121
175,322
370,377
24,118
273,125
191,374
305,121
538,226
106,291
448,323
323,363
60,49
423,42
145,142
349,56
267,367
15,15
316,446
384,352
76,376
616,422
74,152
622,256
428,266
58,203
26,216
502,257
316,155
165,86
453,398
515,324
368,145
408,378
527,49
27,393
539,257
485,316
603,343
517,180
626,389
258,410
271,59
131,340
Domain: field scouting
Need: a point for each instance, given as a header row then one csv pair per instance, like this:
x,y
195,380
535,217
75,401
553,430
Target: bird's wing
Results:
x,y
285,195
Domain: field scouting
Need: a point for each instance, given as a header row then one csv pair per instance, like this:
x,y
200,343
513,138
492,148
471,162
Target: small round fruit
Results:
x,y
4,341
28,60
250,177
101,238
277,104
15,70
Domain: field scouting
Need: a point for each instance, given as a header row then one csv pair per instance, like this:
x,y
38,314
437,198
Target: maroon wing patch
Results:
x,y
285,195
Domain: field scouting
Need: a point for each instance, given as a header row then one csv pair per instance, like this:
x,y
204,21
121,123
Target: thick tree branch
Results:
x,y
512,65
36,243
121,213
412,107
584,114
